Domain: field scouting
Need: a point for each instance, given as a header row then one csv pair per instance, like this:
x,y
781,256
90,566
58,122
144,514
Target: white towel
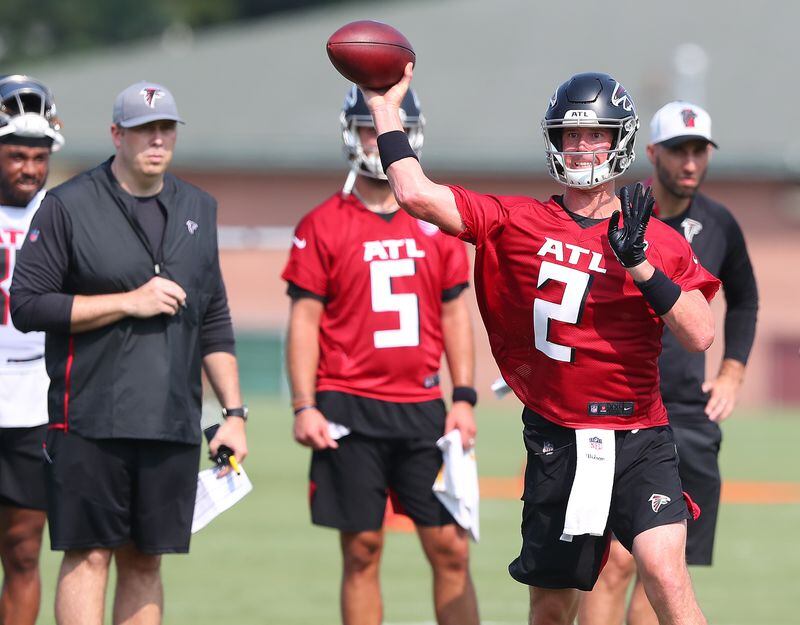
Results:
x,y
337,430
456,486
590,497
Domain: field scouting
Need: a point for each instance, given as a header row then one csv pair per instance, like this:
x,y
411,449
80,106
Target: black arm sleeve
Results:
x,y
741,295
216,335
37,298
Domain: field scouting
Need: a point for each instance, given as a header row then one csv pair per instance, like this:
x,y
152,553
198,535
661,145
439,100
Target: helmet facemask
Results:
x,y
369,163
27,110
618,158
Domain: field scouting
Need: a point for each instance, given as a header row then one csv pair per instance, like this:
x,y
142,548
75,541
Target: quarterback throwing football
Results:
x,y
574,300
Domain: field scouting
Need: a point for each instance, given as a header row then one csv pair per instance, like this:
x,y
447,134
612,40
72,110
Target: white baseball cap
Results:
x,y
677,122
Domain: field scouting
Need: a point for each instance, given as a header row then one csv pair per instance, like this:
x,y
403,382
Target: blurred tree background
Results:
x,y
34,29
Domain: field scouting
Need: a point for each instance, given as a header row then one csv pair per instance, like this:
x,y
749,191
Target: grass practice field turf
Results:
x,y
263,563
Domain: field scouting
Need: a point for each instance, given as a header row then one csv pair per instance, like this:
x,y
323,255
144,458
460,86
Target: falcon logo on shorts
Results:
x,y
151,94
688,116
191,226
657,501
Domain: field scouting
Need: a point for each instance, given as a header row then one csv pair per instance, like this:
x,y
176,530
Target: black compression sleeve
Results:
x,y
37,298
741,296
216,335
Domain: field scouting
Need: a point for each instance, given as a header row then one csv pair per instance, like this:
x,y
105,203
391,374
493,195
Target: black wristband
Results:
x,y
465,393
660,292
394,146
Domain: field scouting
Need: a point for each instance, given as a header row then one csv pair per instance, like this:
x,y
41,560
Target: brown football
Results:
x,y
370,54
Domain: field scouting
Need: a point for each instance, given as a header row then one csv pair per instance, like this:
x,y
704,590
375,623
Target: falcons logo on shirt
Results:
x,y
151,94
690,227
657,501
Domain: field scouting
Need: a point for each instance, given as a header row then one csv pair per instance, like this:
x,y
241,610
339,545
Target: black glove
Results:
x,y
628,243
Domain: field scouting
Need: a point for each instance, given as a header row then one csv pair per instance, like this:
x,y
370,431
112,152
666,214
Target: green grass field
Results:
x,y
263,563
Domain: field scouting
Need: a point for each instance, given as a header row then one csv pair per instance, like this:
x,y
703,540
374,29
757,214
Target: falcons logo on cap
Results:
x,y
656,501
688,116
151,94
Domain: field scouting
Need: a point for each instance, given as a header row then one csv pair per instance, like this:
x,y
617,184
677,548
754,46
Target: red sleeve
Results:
x,y
480,214
309,262
455,264
680,264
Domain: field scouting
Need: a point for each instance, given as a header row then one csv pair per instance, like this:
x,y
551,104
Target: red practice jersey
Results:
x,y
382,282
572,334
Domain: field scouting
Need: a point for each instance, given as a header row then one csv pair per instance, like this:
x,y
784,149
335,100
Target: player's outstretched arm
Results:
x,y
414,191
686,313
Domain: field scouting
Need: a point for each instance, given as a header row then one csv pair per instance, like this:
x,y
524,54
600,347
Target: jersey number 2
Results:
x,y
569,310
406,304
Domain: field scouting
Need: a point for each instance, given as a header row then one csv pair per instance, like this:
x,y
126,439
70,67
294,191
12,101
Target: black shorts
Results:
x,y
698,451
646,465
349,485
22,467
108,492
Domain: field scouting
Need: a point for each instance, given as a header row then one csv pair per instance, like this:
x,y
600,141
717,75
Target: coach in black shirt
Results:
x,y
680,149
121,270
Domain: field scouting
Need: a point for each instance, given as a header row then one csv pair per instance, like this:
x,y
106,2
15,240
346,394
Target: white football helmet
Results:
x,y
28,110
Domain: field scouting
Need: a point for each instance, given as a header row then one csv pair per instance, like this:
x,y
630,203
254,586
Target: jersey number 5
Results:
x,y
406,304
569,310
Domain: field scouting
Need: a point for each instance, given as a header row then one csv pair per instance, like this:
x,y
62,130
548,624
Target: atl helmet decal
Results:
x,y
151,94
621,98
657,501
688,116
690,227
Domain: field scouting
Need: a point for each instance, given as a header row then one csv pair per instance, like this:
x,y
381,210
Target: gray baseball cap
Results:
x,y
144,102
